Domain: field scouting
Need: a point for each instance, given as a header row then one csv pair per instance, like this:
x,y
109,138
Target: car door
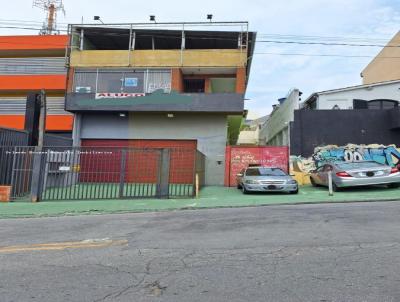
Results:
x,y
317,175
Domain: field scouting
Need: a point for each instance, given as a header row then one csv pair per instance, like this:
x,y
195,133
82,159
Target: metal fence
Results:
x,y
56,140
13,137
16,166
77,173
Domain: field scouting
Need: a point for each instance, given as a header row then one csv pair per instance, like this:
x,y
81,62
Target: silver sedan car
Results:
x,y
264,179
353,174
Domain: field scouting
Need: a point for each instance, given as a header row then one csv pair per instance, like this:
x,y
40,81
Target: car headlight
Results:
x,y
292,182
251,182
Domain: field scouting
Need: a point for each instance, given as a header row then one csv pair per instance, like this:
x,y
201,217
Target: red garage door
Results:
x,y
143,160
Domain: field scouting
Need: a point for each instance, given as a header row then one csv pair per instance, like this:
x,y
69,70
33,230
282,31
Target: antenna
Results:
x,y
51,7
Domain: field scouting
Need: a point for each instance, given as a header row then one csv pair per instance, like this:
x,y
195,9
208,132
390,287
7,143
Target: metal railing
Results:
x,y
87,173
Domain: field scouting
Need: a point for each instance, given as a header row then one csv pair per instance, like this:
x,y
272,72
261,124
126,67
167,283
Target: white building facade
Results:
x,y
372,96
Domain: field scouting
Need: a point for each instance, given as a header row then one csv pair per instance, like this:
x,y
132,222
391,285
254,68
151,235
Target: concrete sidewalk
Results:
x,y
210,197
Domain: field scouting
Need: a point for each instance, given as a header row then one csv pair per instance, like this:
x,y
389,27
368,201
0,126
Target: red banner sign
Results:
x,y
118,95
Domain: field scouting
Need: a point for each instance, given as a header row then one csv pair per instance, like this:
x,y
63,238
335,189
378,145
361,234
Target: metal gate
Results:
x,y
111,173
86,173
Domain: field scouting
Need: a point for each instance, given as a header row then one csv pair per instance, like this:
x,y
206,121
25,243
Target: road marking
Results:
x,y
58,246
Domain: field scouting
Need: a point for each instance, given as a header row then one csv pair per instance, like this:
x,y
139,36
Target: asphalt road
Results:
x,y
336,252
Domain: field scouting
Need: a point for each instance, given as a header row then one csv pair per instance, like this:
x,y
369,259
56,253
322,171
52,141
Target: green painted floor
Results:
x,y
210,197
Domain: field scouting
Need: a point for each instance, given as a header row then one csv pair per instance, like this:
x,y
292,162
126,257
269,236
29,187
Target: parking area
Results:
x,y
210,197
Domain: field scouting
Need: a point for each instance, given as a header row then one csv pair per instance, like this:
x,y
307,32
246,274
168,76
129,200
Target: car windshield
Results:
x,y
359,165
265,172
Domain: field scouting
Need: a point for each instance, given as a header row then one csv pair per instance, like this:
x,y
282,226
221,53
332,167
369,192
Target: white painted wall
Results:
x,y
344,99
275,131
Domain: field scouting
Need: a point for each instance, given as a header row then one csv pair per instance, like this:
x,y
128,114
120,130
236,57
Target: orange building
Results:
x,y
29,64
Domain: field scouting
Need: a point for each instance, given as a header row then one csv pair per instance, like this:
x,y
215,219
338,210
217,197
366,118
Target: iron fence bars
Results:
x,y
111,173
142,173
16,169
182,172
13,137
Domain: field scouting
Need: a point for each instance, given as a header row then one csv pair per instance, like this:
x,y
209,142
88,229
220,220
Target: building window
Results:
x,y
382,104
194,85
375,104
122,80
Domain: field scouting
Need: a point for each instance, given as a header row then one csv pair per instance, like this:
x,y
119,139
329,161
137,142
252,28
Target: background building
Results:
x,y
386,65
276,130
250,131
160,87
383,95
29,64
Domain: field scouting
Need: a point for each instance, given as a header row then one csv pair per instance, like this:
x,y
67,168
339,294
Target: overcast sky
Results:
x,y
272,75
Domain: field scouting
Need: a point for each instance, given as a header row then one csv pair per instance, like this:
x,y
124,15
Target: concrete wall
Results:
x,y
249,137
210,131
386,65
314,128
275,131
344,99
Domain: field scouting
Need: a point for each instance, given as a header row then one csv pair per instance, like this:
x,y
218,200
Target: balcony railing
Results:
x,y
122,80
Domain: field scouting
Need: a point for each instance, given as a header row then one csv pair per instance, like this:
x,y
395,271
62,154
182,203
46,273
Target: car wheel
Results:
x,y
393,186
244,190
335,188
294,192
313,183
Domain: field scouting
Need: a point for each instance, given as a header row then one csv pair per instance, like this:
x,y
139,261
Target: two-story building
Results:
x,y
147,85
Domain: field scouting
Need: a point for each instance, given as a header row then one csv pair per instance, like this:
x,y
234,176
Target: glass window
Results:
x,y
388,104
122,80
359,165
85,81
265,172
382,104
194,85
374,105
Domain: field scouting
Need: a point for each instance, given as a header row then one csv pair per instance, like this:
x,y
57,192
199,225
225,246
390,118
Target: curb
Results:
x,y
99,212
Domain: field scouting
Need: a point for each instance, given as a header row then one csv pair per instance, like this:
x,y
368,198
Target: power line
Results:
x,y
323,38
325,43
275,41
28,28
